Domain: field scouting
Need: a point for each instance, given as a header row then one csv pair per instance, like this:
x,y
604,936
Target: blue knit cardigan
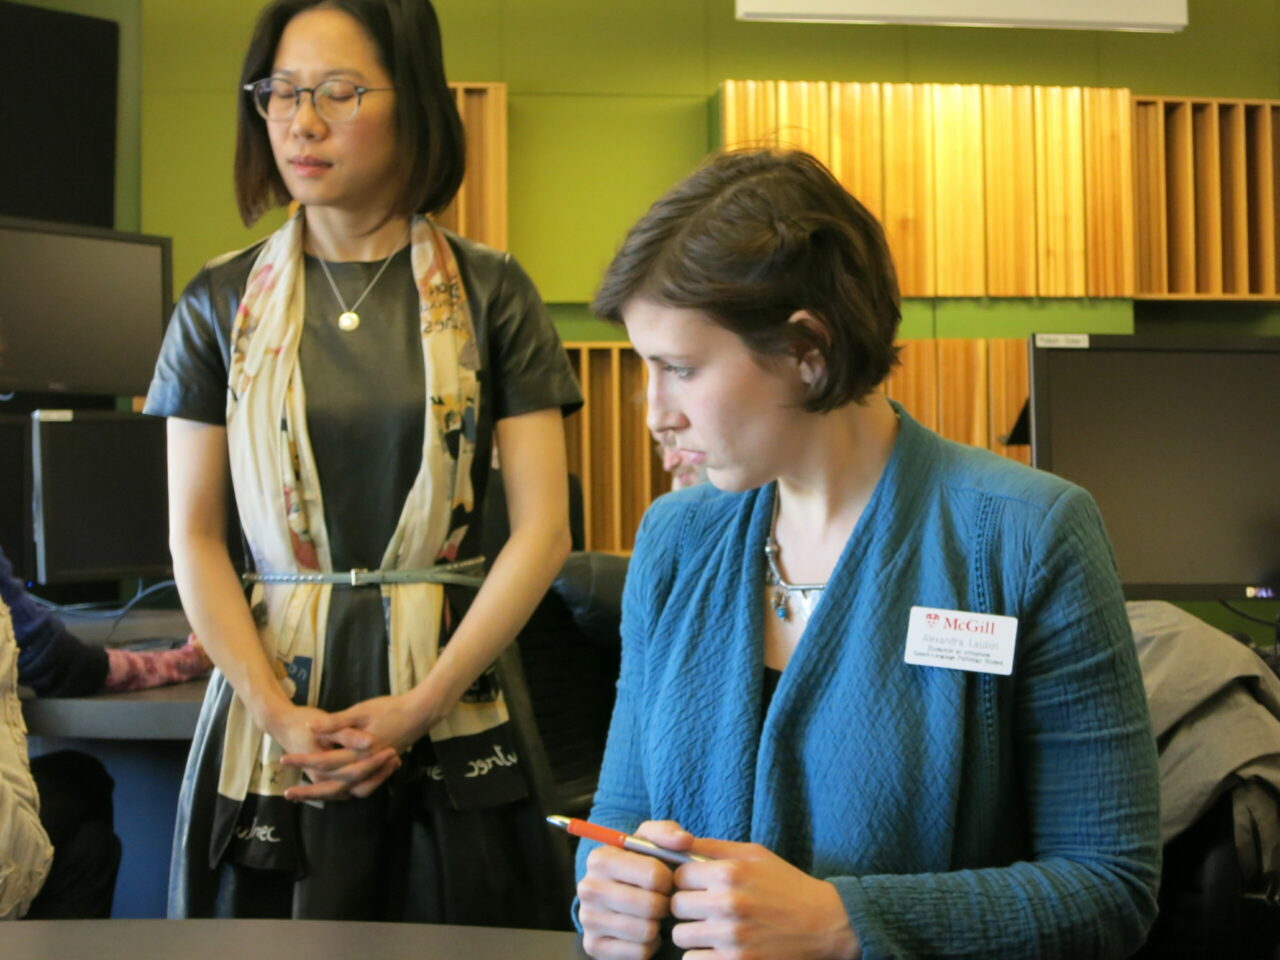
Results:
x,y
958,814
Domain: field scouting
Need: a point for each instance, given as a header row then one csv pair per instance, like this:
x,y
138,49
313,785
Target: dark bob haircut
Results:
x,y
754,236
429,134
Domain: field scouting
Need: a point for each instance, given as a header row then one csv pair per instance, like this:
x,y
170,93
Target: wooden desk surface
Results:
x,y
277,940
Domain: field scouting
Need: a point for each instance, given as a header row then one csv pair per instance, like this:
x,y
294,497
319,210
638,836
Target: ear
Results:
x,y
810,363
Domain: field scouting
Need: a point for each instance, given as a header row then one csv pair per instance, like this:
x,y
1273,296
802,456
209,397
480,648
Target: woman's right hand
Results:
x,y
623,896
339,766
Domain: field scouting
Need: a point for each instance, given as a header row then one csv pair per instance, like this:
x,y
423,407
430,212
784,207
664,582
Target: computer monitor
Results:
x,y
82,310
15,491
99,499
1178,440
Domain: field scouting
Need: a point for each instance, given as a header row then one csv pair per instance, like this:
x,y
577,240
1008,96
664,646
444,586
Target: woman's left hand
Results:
x,y
387,721
750,899
382,727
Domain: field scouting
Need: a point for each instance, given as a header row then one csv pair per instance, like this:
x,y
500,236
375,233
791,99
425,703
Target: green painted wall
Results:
x,y
608,102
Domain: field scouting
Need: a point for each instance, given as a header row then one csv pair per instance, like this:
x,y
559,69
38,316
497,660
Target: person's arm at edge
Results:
x,y
51,660
535,481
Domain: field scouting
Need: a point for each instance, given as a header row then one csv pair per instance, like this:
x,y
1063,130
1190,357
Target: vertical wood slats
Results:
x,y
1150,211
959,191
1214,163
908,184
1108,192
1009,159
1179,150
1260,198
983,191
968,390
1205,188
1234,199
858,163
479,210
1060,191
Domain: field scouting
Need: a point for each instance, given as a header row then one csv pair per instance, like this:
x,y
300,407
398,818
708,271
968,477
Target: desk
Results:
x,y
161,713
142,738
277,940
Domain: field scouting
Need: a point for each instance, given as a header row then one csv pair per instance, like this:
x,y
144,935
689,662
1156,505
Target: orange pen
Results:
x,y
616,838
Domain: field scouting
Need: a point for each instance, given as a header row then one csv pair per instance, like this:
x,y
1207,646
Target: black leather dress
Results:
x,y
401,854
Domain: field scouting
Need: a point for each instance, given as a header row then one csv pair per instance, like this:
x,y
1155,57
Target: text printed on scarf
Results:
x,y
958,640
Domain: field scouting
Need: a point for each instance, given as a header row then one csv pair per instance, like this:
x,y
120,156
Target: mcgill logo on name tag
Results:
x,y
958,640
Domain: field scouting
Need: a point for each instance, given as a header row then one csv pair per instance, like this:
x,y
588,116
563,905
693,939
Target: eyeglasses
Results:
x,y
336,101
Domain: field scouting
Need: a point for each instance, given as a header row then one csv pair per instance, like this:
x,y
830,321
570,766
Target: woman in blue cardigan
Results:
x,y
885,680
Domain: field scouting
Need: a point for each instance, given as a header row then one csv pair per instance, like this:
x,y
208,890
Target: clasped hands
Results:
x,y
748,903
345,754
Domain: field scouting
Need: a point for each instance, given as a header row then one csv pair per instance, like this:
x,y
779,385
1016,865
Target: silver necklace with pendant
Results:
x,y
804,596
349,320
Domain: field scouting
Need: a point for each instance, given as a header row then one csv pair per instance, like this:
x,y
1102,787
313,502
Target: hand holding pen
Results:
x,y
742,894
627,841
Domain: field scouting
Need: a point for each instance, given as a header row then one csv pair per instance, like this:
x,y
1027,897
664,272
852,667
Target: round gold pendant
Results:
x,y
349,321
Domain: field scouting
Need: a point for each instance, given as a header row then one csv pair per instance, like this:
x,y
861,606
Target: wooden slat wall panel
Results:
x,y
1150,214
1060,228
963,404
1261,200
1234,190
914,383
969,390
857,142
1009,142
1218,165
633,467
1009,386
479,211
960,267
577,429
601,391
1180,203
1275,188
804,117
983,191
1208,197
1275,180
1108,150
908,184
749,113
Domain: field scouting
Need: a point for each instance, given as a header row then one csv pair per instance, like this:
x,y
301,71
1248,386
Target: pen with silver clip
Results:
x,y
616,838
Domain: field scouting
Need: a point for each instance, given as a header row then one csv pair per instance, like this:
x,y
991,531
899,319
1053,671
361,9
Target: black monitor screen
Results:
x,y
82,310
1178,440
99,505
15,495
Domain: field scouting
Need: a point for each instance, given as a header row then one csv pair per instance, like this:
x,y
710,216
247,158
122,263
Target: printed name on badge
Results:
x,y
958,640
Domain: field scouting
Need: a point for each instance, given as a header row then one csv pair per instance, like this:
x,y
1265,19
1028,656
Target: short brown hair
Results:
x,y
429,134
754,236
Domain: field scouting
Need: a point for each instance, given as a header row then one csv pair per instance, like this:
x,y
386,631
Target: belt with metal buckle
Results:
x,y
465,573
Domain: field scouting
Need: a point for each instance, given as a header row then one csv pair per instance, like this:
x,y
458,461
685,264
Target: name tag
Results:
x,y
958,640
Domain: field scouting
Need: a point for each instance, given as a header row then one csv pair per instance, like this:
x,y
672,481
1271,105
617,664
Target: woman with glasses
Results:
x,y
349,376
